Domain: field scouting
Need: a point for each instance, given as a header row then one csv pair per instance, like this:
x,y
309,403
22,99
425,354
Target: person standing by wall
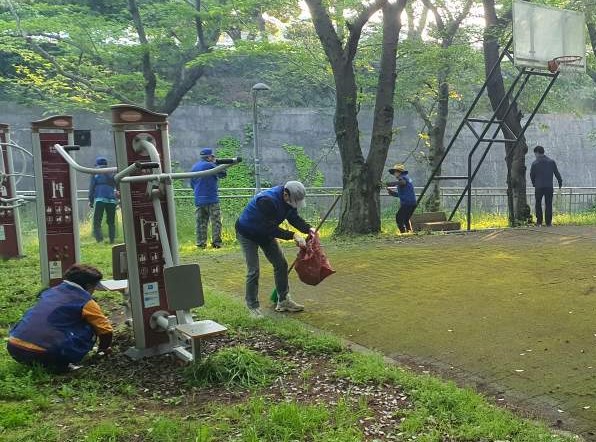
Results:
x,y
103,197
258,227
542,171
206,191
404,190
62,327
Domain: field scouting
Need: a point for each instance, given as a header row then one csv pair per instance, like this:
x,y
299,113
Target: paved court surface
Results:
x,y
511,312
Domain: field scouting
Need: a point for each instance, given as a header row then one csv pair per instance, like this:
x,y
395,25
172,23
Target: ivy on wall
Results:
x,y
308,172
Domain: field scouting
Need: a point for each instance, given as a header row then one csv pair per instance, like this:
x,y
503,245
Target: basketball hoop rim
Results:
x,y
566,59
555,63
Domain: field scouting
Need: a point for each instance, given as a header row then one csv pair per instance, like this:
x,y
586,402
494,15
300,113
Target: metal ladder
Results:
x,y
483,138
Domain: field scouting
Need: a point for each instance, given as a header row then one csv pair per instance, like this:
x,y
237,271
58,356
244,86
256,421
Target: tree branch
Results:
x,y
417,104
148,74
438,19
326,32
355,28
456,23
199,26
382,133
58,66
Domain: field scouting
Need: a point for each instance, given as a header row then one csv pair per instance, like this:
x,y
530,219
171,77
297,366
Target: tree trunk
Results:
x,y
148,73
437,139
592,34
360,210
515,153
360,206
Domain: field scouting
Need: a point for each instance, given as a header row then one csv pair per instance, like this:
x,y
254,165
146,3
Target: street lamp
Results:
x,y
255,133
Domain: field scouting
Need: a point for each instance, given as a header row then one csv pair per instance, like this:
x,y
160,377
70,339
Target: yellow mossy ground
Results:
x,y
512,311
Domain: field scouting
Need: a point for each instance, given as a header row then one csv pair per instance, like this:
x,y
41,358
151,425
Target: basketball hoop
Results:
x,y
556,63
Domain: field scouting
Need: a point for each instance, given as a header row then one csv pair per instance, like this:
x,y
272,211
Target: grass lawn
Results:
x,y
270,380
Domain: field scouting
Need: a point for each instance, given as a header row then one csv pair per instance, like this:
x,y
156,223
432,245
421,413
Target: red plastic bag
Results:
x,y
312,264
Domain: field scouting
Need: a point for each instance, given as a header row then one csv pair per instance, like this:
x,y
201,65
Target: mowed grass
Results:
x,y
36,406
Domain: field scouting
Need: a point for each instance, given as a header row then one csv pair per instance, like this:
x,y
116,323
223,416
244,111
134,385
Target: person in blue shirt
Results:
x,y
206,192
258,227
103,197
404,190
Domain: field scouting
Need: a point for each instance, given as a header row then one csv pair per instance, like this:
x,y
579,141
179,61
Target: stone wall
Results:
x,y
565,137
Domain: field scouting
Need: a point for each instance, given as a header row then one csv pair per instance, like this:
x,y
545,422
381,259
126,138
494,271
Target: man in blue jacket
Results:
x,y
61,328
103,198
206,192
542,171
404,190
258,227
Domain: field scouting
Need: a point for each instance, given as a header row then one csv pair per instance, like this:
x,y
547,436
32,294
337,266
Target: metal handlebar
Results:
x,y
24,198
146,164
124,175
88,170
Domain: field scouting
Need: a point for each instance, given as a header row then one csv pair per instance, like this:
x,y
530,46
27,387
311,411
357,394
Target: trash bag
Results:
x,y
312,264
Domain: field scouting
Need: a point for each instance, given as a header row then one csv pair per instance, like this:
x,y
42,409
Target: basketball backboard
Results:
x,y
542,33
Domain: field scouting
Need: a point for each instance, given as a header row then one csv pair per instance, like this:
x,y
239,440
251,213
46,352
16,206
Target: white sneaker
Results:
x,y
287,305
256,313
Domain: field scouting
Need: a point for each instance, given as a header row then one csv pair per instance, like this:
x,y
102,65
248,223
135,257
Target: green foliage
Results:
x,y
166,430
105,432
308,172
365,368
294,333
260,420
240,175
89,54
15,415
233,367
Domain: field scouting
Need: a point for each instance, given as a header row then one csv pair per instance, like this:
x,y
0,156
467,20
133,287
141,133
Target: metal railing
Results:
x,y
484,199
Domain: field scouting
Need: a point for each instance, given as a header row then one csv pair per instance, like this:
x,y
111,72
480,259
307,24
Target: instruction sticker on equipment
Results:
x,y
2,234
55,269
151,294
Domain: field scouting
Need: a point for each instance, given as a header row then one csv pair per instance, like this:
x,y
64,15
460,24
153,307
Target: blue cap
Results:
x,y
101,161
206,152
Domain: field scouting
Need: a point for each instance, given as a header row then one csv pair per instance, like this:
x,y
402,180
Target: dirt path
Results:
x,y
511,312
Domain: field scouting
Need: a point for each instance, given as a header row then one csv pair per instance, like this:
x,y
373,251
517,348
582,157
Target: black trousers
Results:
x,y
402,218
547,193
110,209
30,357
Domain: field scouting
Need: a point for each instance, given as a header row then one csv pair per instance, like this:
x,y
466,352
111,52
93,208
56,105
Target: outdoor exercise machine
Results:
x,y
11,245
546,41
162,291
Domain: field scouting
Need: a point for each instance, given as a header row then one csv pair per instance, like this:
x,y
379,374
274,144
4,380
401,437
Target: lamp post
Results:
x,y
255,133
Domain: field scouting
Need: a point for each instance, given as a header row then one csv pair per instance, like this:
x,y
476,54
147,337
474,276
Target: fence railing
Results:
x,y
484,199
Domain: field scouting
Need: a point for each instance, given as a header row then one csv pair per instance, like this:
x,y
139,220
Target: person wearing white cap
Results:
x,y
258,227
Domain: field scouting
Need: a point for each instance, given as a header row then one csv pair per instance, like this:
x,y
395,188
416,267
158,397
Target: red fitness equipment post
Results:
x,y
57,211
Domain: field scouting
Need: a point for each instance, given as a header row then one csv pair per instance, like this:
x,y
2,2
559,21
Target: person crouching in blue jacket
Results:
x,y
62,327
404,190
258,227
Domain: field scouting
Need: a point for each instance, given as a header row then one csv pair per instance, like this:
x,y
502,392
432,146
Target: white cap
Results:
x,y
297,193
